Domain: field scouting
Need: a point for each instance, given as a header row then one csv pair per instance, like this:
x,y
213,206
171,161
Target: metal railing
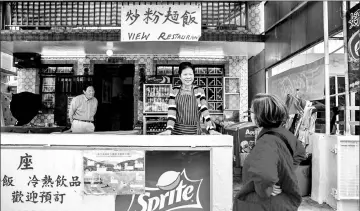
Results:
x,y
29,15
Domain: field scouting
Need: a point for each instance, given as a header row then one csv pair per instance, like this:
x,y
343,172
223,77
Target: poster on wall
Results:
x,y
353,37
160,22
36,179
114,172
306,81
175,180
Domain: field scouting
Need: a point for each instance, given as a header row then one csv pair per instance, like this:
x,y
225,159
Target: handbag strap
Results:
x,y
270,132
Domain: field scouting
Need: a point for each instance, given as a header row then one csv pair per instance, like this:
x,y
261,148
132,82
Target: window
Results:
x,y
337,100
208,77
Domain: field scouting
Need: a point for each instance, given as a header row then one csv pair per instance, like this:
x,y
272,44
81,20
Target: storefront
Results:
x,y
120,65
131,78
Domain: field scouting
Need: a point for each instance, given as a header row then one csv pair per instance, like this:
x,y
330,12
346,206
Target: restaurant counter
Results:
x,y
31,129
335,170
202,166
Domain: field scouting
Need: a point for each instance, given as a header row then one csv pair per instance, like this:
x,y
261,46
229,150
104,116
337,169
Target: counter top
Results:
x,y
29,129
114,140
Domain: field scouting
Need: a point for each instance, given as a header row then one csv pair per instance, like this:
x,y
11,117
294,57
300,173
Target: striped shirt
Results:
x,y
82,108
173,109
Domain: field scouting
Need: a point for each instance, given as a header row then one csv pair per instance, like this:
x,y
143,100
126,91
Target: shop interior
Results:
x,y
114,91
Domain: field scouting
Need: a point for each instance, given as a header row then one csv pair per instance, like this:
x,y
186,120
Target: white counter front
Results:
x,y
335,171
47,172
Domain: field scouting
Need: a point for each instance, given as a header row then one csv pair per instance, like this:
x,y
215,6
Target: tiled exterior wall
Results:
x,y
238,66
6,117
256,17
235,66
28,81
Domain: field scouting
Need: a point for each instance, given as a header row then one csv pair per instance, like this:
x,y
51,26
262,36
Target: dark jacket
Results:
x,y
269,163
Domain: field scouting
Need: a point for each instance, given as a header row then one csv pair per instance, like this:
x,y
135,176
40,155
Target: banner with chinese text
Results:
x,y
353,37
160,22
114,172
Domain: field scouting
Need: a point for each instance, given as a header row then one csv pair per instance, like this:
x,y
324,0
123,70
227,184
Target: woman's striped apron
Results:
x,y
187,115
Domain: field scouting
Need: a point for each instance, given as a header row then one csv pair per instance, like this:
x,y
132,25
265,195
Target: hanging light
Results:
x,y
109,52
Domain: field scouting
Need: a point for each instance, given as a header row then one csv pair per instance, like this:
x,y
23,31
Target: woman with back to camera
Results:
x,y
186,105
268,174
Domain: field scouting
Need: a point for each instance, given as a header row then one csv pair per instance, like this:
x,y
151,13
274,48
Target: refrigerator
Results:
x,y
155,107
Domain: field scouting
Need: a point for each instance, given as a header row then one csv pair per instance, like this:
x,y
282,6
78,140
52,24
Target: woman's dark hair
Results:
x,y
86,85
184,65
269,110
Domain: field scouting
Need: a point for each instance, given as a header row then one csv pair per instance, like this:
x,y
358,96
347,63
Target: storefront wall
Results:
x,y
235,66
290,37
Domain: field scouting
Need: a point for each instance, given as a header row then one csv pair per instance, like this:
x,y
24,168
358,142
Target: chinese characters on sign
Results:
x,y
25,162
41,196
161,22
40,179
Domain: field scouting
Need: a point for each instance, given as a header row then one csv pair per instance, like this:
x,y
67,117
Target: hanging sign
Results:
x,y
160,22
353,28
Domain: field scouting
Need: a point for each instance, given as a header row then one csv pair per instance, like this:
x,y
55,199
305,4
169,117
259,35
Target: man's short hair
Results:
x,y
86,85
269,110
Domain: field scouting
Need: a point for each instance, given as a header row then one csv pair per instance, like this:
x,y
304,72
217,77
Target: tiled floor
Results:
x,y
306,205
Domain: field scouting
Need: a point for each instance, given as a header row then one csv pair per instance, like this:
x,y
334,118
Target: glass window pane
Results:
x,y
332,85
341,84
332,101
341,115
357,99
341,100
341,129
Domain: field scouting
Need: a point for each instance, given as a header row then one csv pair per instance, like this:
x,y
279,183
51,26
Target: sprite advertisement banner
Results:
x,y
353,27
174,180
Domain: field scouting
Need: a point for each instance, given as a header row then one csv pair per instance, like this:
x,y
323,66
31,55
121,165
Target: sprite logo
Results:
x,y
174,191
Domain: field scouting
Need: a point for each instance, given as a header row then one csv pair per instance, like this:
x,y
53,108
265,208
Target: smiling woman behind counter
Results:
x,y
187,103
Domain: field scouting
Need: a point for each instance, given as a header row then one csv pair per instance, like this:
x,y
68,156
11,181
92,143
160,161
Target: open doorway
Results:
x,y
115,94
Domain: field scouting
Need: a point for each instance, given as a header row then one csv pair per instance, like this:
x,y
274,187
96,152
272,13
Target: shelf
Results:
x,y
158,96
48,92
